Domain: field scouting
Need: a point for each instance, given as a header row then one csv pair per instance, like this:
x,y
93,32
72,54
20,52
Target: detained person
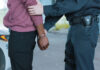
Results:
x,y
23,31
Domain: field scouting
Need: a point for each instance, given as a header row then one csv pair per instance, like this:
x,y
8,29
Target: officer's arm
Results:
x,y
63,7
51,21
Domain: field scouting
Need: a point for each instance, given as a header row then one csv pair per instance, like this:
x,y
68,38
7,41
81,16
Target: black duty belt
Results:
x,y
84,20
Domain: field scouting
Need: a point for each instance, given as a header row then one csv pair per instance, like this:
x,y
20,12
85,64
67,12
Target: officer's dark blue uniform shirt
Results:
x,y
73,7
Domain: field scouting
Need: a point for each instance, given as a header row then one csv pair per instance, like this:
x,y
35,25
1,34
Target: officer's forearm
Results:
x,y
50,22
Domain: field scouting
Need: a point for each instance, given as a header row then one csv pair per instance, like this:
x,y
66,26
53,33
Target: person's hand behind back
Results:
x,y
43,42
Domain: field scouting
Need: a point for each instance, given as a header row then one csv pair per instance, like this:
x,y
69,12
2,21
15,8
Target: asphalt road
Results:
x,y
53,57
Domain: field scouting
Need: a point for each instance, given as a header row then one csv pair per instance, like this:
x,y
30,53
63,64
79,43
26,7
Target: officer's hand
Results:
x,y
36,9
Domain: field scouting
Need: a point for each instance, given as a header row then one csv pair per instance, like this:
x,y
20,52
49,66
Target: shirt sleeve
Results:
x,y
36,19
64,7
51,21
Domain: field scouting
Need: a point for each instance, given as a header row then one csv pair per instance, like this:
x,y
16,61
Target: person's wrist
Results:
x,y
42,36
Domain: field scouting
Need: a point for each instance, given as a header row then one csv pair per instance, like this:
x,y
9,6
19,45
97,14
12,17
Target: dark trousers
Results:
x,y
80,46
20,47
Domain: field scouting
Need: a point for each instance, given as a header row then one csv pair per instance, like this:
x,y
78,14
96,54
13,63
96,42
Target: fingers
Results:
x,y
30,7
35,9
44,47
32,11
43,43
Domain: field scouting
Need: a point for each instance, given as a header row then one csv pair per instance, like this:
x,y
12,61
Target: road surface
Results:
x,y
53,58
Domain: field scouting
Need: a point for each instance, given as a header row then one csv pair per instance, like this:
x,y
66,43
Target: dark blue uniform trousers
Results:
x,y
80,46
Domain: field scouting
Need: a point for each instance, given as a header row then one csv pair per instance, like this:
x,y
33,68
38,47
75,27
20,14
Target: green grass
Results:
x,y
2,14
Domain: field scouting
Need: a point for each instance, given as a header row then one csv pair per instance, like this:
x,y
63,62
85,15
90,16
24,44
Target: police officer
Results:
x,y
83,34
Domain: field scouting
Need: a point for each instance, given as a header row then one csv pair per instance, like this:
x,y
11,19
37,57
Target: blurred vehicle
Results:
x,y
4,58
4,35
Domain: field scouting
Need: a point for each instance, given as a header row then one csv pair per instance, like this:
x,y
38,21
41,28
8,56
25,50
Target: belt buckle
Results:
x,y
87,20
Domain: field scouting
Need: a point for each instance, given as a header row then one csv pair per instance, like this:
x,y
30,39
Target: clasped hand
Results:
x,y
43,43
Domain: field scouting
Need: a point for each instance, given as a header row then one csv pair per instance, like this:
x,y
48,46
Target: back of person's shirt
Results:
x,y
17,17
